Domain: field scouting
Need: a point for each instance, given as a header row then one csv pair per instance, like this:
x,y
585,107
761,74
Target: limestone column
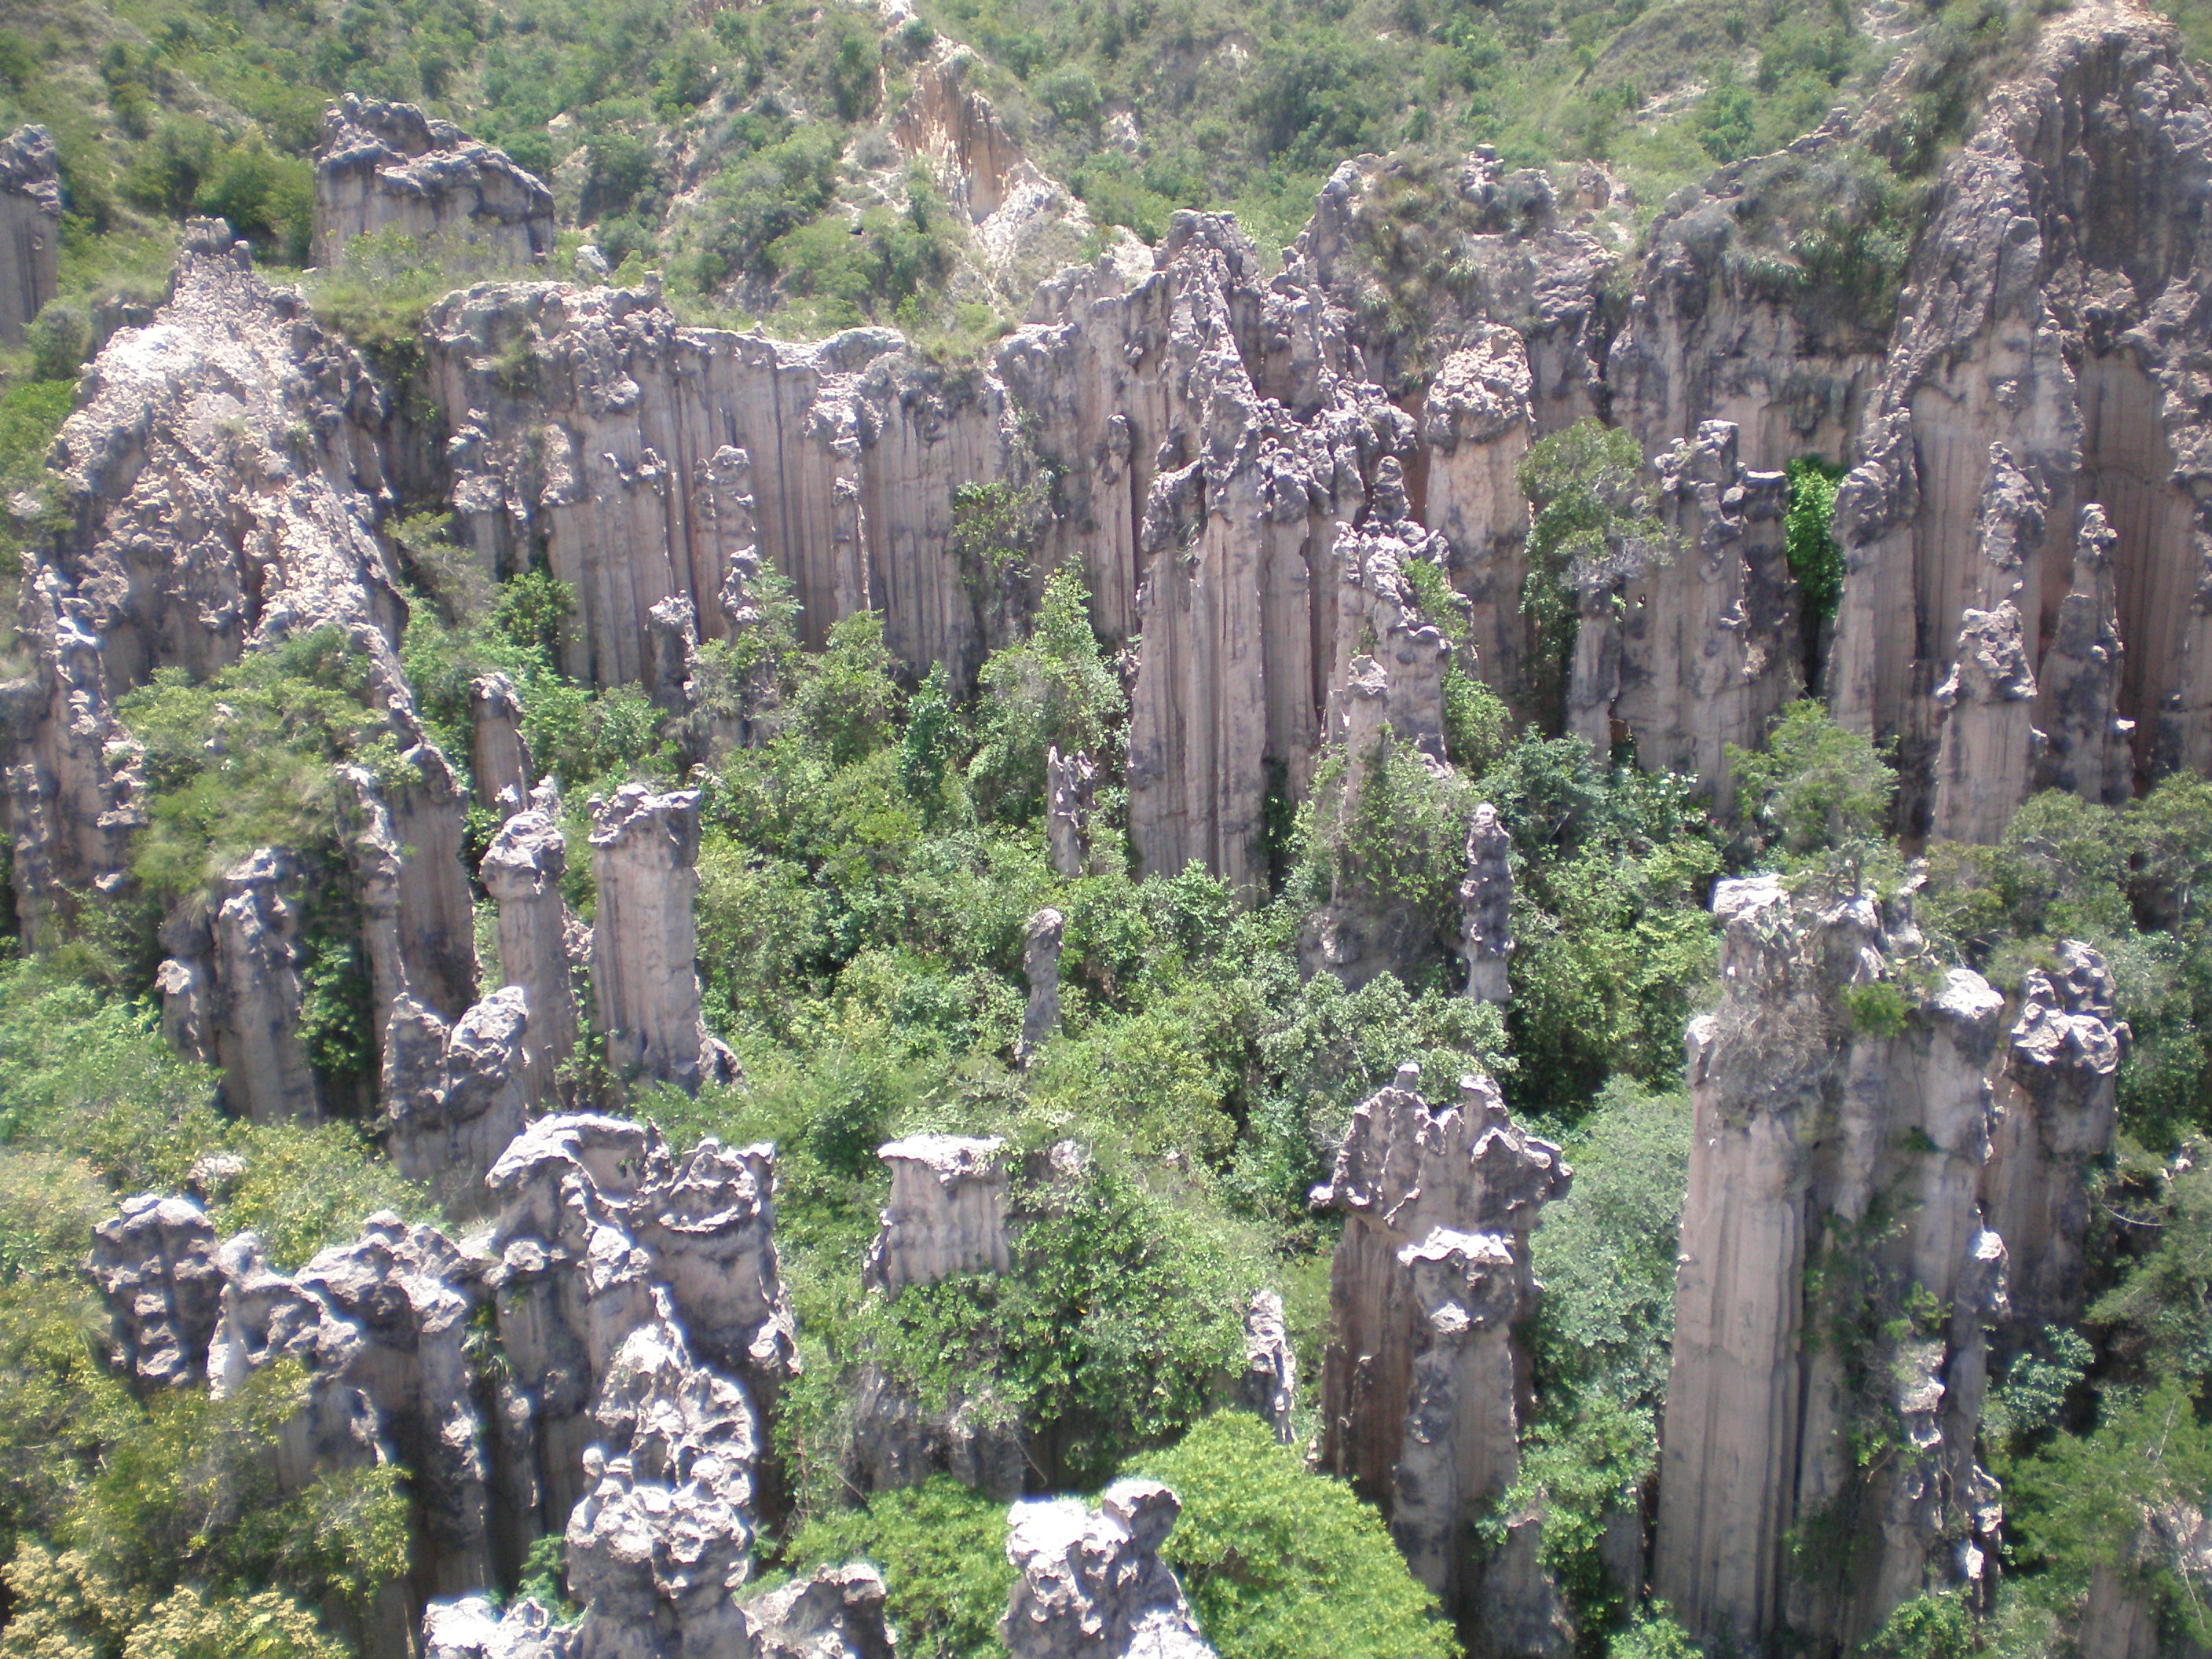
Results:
x,y
522,870
645,969
1486,899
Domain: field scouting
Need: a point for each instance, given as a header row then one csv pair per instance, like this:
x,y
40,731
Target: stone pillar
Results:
x,y
947,1213
1477,421
454,1097
645,969
30,228
154,1260
2056,1110
522,870
1421,1405
1271,1364
1486,899
1834,1171
1987,732
497,754
1040,967
266,1077
2088,747
1068,782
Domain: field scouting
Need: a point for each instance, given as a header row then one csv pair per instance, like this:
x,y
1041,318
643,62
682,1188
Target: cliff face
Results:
x,y
1838,1282
30,228
2041,366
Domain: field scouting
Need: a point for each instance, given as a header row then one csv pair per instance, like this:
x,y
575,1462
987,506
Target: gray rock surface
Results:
x,y
1778,1246
30,228
154,1262
454,1097
389,168
1041,943
1421,1378
645,942
1092,1583
1485,901
1270,1364
522,870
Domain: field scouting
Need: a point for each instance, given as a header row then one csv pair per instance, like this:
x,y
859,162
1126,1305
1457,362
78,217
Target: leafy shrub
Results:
x,y
1816,789
1279,1563
1056,687
942,1549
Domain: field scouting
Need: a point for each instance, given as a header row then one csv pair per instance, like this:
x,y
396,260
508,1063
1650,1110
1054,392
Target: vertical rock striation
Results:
x,y
645,967
30,228
389,168
1422,1383
1485,900
2056,1109
522,870
2041,362
154,1262
1837,1279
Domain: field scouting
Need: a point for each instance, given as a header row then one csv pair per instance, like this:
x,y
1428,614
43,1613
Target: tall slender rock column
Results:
x,y
645,967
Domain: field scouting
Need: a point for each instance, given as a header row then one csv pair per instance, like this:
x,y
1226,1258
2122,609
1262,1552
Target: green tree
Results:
x,y
1055,689
1279,1563
1592,525
1816,789
942,1549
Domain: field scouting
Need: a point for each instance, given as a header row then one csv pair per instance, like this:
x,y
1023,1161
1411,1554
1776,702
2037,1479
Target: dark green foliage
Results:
x,y
1613,869
1109,1336
1816,791
1055,690
1593,526
1279,1563
942,1549
1814,560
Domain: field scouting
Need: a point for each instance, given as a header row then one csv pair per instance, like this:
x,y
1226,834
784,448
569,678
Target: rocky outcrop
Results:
x,y
522,870
2041,363
1025,224
1486,903
154,1262
595,1218
1836,1272
454,1097
255,956
834,1613
1730,321
30,228
499,759
1271,1364
2056,1110
472,1628
1477,421
380,1327
947,1213
1040,943
662,1542
1067,781
389,168
1693,645
2087,748
1093,1584
1422,1383
645,948
946,1217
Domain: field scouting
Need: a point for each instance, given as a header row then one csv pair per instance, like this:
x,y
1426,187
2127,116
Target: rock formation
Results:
x,y
946,1217
220,477
30,228
594,1217
471,1627
1092,1585
1067,780
2056,1111
1821,1294
1270,1365
155,1263
454,1097
522,870
390,167
2038,365
1486,899
1041,943
498,756
1422,1383
947,1213
662,1542
645,967
2087,747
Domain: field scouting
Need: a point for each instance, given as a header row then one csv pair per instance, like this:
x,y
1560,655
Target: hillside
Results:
x,y
1103,830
